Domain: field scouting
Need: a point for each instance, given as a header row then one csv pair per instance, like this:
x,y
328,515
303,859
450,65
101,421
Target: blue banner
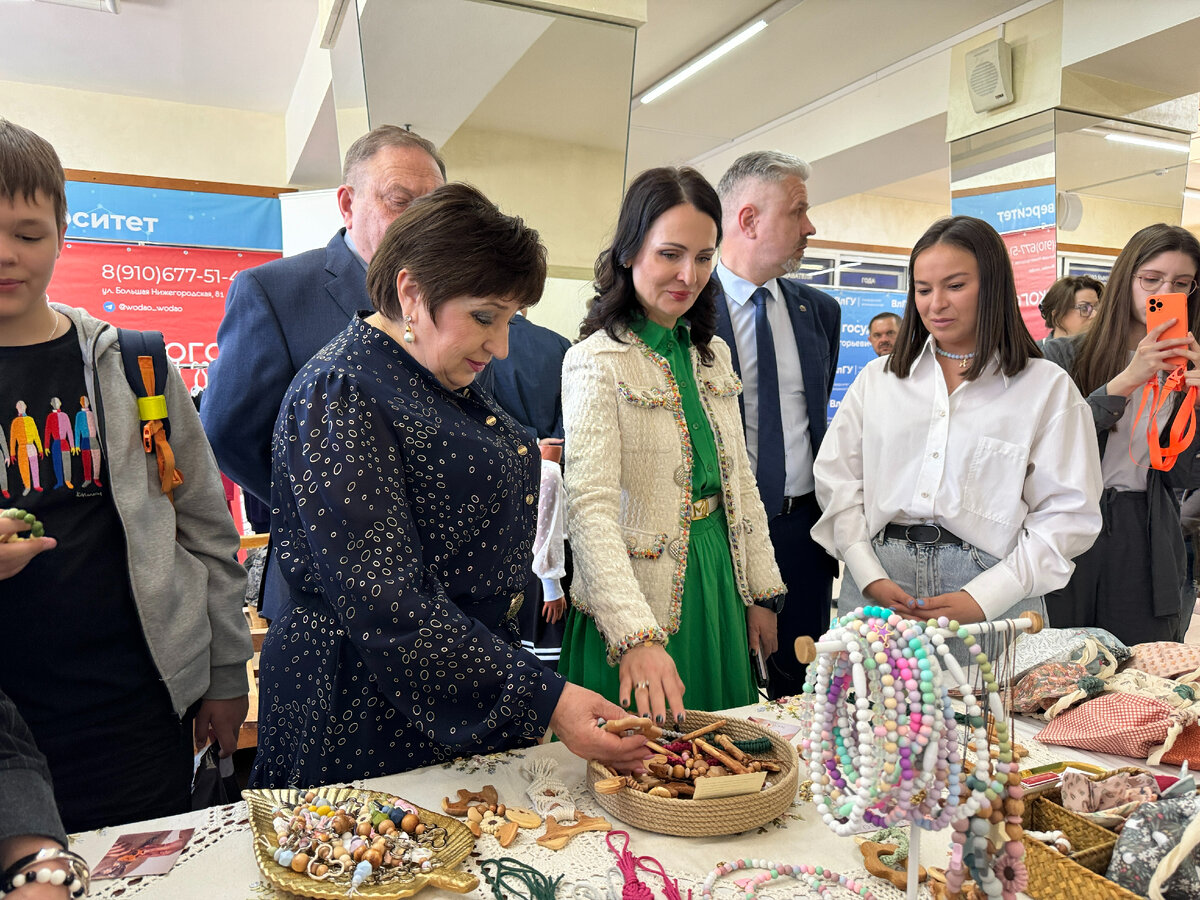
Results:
x,y
1007,211
143,215
858,309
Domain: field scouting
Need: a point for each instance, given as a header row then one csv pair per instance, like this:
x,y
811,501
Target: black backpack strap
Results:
x,y
136,344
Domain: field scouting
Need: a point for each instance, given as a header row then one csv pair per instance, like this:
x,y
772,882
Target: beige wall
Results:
x,y
575,212
871,219
136,136
1110,223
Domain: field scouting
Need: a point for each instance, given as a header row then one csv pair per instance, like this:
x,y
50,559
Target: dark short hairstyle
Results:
x,y
456,243
650,195
882,315
386,136
1104,346
28,164
999,329
1060,299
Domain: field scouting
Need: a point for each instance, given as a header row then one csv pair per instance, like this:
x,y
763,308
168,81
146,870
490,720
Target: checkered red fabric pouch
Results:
x,y
1118,723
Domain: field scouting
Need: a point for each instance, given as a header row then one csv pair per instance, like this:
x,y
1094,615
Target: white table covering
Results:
x,y
219,862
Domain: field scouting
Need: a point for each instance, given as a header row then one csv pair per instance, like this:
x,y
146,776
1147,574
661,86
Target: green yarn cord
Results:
x,y
513,874
754,745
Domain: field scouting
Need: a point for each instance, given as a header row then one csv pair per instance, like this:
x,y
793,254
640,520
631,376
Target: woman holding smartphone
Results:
x,y
1131,582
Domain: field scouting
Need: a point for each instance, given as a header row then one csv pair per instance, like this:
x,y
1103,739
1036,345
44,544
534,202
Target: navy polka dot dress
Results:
x,y
403,520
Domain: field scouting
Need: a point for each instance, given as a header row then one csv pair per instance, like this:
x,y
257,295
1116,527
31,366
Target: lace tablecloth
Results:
x,y
219,860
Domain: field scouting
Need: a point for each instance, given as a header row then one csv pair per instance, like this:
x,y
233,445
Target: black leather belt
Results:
x,y
921,534
791,504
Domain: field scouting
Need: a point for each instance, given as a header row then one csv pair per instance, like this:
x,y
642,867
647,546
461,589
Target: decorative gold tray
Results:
x,y
458,846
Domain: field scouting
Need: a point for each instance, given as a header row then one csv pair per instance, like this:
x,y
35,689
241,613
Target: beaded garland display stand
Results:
x,y
883,747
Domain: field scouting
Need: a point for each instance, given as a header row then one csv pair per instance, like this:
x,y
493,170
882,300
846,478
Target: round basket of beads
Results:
x,y
339,842
663,800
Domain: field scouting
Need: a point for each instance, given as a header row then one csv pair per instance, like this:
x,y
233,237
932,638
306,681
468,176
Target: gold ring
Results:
x,y
642,686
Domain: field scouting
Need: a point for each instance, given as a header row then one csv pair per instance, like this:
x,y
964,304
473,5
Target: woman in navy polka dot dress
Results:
x,y
404,508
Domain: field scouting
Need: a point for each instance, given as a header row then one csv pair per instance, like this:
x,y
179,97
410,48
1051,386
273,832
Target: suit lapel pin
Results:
x,y
803,308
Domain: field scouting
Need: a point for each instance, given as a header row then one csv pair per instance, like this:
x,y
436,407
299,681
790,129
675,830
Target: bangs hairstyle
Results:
x,y
650,195
999,329
1104,347
1060,299
456,243
28,164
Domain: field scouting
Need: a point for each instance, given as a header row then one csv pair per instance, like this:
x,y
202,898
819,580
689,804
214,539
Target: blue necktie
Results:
x,y
770,469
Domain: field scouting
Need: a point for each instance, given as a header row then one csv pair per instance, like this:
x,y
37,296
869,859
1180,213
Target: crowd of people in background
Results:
x,y
384,398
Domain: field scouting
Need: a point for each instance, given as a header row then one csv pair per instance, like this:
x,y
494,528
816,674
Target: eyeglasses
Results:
x,y
1154,282
1085,309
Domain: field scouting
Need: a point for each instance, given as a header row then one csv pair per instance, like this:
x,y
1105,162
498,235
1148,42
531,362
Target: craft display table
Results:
x,y
219,861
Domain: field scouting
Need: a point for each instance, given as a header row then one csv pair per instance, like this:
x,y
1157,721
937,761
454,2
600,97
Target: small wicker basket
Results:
x,y
716,816
1079,875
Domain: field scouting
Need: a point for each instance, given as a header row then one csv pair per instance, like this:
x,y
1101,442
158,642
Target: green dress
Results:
x,y
710,649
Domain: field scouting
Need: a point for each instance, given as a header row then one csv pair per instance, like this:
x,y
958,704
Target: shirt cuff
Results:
x,y
551,590
863,564
995,590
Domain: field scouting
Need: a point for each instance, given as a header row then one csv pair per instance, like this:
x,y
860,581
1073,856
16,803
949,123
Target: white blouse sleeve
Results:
x,y
838,472
549,554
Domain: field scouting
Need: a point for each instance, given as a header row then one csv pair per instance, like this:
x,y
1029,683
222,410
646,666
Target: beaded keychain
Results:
x,y
892,754
818,878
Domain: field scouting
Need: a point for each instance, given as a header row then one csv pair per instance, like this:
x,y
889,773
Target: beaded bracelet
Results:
x,y
819,878
75,879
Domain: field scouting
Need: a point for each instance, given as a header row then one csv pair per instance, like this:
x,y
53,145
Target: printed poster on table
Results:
x,y
1025,218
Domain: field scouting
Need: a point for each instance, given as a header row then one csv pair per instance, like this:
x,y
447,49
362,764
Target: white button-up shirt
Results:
x,y
1009,465
793,405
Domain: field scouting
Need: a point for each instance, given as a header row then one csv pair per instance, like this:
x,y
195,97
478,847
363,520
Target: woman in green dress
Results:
x,y
675,577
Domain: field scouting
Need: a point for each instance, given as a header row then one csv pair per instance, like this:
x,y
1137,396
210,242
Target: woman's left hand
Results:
x,y
957,605
649,677
762,628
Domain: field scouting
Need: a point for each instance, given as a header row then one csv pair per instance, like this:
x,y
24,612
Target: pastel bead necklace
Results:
x,y
818,878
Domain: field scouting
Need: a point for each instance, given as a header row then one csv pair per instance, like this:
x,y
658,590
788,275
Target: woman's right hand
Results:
x,y
888,594
574,721
1149,358
650,683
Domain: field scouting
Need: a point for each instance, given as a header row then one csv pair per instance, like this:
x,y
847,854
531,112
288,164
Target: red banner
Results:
x,y
1034,255
176,290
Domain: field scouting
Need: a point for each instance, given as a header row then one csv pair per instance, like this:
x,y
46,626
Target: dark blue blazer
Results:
x,y
277,316
817,324
528,383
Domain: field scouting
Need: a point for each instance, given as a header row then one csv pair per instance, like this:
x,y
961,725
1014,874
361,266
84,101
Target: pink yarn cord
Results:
x,y
627,864
670,885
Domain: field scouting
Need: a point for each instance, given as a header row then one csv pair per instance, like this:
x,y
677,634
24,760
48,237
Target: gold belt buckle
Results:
x,y
703,507
514,605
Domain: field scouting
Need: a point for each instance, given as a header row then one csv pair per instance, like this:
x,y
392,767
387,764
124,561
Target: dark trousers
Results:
x,y
808,572
1110,587
124,769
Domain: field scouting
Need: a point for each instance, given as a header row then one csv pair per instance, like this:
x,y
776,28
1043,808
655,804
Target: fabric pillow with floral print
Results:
x,y
1042,687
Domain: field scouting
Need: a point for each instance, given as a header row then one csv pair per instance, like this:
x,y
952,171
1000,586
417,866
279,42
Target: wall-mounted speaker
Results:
x,y
989,75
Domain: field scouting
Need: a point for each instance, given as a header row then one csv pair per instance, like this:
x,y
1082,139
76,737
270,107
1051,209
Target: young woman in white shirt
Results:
x,y
959,476
1132,581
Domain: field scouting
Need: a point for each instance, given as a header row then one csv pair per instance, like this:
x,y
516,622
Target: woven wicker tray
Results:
x,y
459,843
705,818
1078,876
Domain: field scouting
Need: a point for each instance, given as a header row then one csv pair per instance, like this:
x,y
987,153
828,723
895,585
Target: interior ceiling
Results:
x,y
243,54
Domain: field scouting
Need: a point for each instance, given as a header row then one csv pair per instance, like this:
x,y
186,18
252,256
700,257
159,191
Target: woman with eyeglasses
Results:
x,y
1070,304
1131,582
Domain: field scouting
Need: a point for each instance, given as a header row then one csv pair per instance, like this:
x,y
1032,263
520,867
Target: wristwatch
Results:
x,y
774,604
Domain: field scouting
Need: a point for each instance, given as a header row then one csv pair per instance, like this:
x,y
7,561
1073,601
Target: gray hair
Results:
x,y
387,136
761,165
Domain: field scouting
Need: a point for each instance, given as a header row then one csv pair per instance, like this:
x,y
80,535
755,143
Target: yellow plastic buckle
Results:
x,y
150,408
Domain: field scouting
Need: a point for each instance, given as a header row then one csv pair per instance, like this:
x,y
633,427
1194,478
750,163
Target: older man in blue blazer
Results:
x,y
784,338
278,315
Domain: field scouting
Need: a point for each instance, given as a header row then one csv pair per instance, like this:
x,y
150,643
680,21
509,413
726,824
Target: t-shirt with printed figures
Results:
x,y
76,656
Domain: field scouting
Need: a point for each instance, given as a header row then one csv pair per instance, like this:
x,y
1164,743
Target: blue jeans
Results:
x,y
926,570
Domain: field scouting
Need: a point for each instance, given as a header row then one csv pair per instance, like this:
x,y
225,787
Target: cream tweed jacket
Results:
x,y
628,475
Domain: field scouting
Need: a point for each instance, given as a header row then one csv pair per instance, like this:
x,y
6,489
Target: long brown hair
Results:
x,y
999,329
1104,347
649,196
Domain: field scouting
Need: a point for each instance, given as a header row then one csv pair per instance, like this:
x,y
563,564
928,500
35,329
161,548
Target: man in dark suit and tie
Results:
x,y
784,337
278,315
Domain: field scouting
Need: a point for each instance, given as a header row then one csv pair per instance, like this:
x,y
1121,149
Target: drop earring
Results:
x,y
409,337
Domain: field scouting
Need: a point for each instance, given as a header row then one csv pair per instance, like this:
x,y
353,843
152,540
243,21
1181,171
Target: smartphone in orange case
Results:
x,y
1160,308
